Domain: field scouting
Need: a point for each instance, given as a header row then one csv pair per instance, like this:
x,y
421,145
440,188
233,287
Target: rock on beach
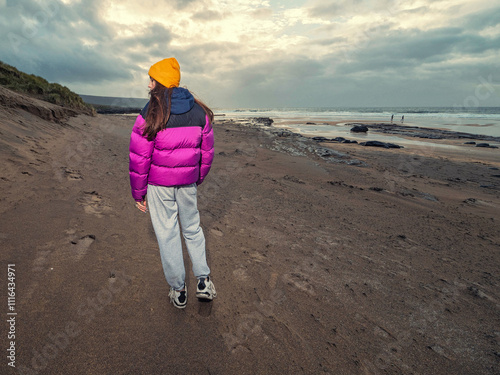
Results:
x,y
359,129
380,144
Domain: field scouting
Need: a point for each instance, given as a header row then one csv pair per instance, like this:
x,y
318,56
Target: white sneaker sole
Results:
x,y
179,306
174,302
205,296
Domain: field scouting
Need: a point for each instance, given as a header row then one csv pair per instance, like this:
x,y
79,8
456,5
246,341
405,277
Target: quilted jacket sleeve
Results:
x,y
207,150
140,152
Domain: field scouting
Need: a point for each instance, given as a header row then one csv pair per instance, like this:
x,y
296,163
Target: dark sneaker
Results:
x,y
206,289
179,299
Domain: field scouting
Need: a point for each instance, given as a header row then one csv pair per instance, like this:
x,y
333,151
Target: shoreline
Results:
x,y
419,140
470,120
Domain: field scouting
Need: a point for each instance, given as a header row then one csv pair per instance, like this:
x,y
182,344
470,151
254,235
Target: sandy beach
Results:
x,y
328,258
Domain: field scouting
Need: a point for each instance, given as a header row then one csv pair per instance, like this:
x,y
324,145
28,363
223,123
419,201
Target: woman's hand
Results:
x,y
142,205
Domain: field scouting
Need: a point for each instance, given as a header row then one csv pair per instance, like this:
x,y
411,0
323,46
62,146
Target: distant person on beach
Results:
x,y
392,118
402,119
171,152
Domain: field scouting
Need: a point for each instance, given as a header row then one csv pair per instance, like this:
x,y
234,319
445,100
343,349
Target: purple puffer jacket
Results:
x,y
181,154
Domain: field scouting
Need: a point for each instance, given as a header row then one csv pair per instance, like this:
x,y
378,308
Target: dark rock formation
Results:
x,y
359,129
320,139
485,145
427,133
380,144
266,121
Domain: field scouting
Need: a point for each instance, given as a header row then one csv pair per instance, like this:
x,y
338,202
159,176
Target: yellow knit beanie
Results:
x,y
167,72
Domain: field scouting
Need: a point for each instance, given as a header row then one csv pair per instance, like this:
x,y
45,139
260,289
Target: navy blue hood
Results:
x,y
182,101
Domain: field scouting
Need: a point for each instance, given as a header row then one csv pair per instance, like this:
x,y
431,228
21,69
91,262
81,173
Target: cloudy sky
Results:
x,y
277,53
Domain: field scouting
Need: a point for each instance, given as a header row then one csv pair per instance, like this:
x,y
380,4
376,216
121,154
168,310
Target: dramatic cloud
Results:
x,y
253,53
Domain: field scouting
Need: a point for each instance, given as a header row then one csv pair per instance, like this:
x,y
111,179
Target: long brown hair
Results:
x,y
158,114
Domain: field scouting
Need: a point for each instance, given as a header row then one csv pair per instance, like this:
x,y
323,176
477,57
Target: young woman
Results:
x,y
171,152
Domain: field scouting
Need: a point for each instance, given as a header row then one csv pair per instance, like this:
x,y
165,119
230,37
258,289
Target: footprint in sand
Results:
x,y
300,281
217,232
93,204
258,257
72,174
81,246
241,274
41,263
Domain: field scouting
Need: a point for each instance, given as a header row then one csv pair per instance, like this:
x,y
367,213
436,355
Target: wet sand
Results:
x,y
418,139
363,261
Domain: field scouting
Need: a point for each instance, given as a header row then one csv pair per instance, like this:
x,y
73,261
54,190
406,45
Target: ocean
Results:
x,y
331,122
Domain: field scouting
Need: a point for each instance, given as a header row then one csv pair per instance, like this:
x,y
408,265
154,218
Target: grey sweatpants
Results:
x,y
166,204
